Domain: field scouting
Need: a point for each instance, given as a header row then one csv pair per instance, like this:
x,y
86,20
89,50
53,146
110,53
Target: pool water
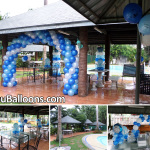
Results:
x,y
102,140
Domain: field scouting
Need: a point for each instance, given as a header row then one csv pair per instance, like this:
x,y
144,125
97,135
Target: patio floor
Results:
x,y
124,94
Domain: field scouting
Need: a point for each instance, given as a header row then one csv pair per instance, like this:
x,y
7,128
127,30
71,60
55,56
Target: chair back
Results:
x,y
37,141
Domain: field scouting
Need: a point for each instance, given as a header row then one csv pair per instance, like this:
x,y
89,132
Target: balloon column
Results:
x,y
22,122
62,44
56,63
15,128
47,63
39,123
135,132
120,133
100,59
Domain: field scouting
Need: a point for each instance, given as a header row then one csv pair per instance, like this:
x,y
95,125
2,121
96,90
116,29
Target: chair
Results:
x,y
35,147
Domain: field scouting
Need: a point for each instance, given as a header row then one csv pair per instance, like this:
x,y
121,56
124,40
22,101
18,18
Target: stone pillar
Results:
x,y
107,55
4,44
51,57
82,90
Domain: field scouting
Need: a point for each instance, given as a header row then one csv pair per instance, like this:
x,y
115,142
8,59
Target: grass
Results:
x,y
74,142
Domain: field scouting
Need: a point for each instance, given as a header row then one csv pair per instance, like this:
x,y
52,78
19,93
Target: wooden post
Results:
x,y
107,55
36,56
51,57
4,44
23,115
82,91
138,61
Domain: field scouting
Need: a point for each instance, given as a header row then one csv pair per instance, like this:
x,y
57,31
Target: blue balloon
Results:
x,y
14,83
6,62
135,123
68,65
10,75
73,47
65,92
8,48
23,46
62,46
71,81
12,46
67,86
4,84
144,25
13,70
72,59
4,66
75,86
60,36
15,55
75,76
6,79
10,58
77,70
66,70
61,41
6,71
48,38
30,40
25,120
25,58
132,13
74,52
63,52
76,92
71,92
68,54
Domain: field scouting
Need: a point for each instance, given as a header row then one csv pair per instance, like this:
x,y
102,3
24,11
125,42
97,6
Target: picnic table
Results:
x,y
67,131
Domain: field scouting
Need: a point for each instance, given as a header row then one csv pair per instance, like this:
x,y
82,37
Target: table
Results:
x,y
87,130
67,131
19,138
100,82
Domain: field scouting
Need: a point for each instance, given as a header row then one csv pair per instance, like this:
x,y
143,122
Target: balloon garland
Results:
x,y
120,133
62,44
22,122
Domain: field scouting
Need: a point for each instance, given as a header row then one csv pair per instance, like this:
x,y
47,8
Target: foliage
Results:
x,y
53,130
21,64
98,131
74,142
128,51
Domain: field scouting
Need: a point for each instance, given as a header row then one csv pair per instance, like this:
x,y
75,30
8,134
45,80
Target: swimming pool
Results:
x,y
102,140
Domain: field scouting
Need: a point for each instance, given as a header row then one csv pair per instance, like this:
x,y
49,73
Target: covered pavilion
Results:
x,y
93,22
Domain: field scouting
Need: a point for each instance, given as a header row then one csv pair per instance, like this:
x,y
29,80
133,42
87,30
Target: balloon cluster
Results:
x,y
100,59
22,122
15,128
39,124
24,58
120,133
133,14
56,63
62,44
47,63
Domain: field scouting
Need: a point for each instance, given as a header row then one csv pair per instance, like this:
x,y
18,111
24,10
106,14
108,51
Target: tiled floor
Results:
x,y
124,94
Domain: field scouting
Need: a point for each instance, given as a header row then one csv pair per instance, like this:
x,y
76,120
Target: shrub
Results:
x,y
98,131
21,64
53,130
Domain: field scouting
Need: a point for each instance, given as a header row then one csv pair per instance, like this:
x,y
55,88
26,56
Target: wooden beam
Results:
x,y
23,115
82,91
107,55
4,44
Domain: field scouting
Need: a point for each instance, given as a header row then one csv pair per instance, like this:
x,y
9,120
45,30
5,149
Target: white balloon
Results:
x,y
13,62
14,75
146,40
58,47
72,70
52,33
76,81
13,79
65,80
5,57
4,75
67,76
66,60
55,41
10,84
75,65
135,127
8,53
13,52
33,36
77,59
139,120
146,117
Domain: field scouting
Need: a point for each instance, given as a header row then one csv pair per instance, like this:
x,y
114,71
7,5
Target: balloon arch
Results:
x,y
62,44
